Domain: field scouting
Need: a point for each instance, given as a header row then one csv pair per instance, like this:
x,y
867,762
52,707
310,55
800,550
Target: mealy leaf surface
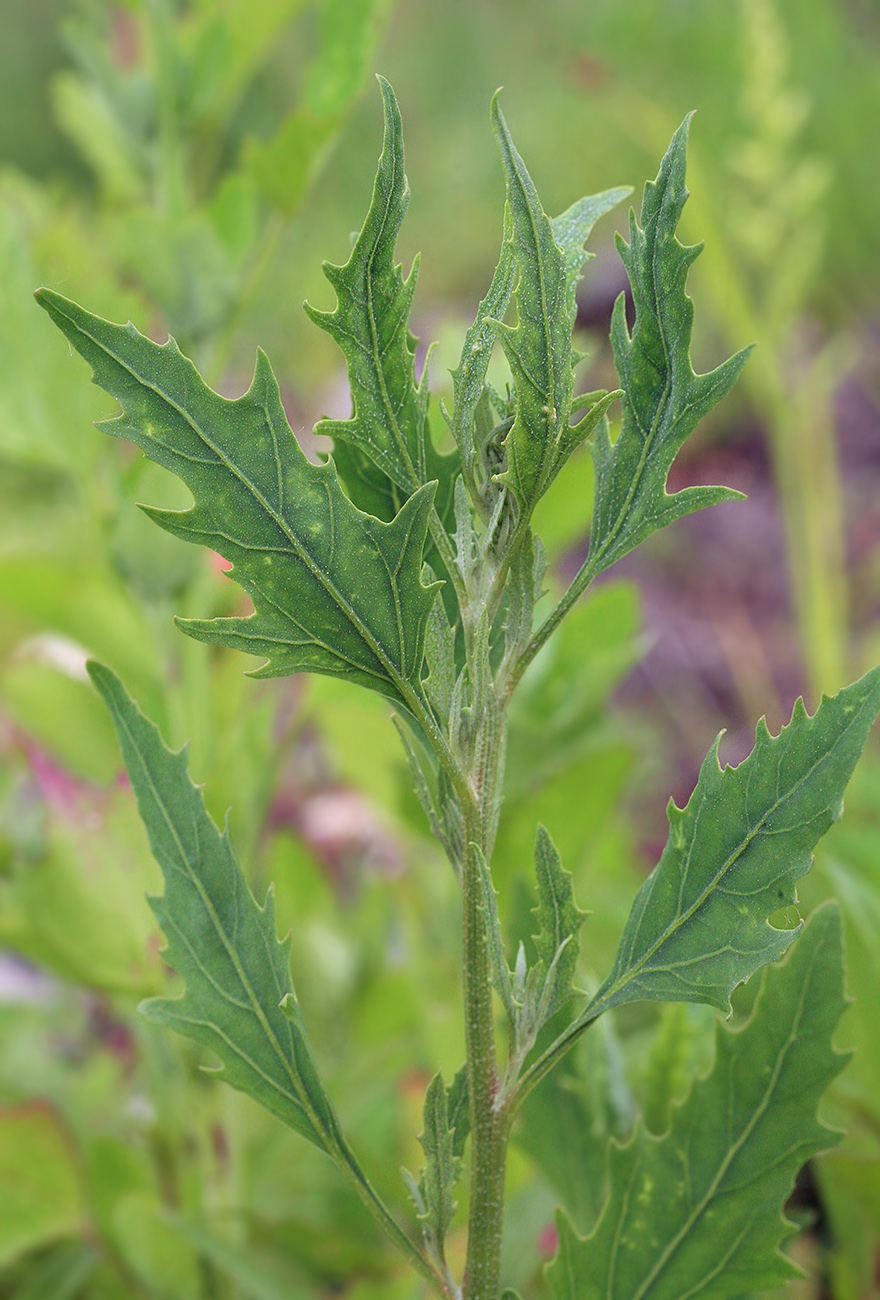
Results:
x,y
550,256
238,997
664,399
335,591
700,923
698,1211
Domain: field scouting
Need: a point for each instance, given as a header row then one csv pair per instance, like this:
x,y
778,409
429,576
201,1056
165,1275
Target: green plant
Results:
x,y
416,575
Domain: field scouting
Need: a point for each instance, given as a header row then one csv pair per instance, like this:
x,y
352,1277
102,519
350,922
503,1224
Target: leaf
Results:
x,y
335,591
559,919
238,997
501,978
699,1211
442,1170
458,1110
370,324
539,347
670,1064
40,1195
570,1118
469,377
664,399
700,923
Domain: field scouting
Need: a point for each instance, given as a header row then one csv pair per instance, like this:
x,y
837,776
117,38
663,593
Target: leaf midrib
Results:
x,y
682,919
662,407
735,1148
554,405
296,545
232,954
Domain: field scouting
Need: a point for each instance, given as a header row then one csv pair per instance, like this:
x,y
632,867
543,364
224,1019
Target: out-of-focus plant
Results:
x,y
417,576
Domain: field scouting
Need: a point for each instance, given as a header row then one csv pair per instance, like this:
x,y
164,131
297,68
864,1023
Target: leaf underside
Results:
x,y
335,591
698,1211
664,399
222,944
699,925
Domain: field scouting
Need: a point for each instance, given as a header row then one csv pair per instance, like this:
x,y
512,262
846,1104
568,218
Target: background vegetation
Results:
x,y
188,166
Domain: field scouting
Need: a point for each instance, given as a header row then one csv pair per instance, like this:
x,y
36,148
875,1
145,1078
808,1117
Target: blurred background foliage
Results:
x,y
189,165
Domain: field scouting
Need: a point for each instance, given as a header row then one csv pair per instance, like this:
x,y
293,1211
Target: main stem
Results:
x,y
489,1128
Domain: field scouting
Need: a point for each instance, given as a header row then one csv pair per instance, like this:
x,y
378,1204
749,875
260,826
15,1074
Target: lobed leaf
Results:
x,y
335,591
550,256
442,1170
238,997
664,399
698,1212
388,428
700,923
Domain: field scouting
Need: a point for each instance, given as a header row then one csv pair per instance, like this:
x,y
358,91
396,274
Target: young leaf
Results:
x,y
469,377
238,997
434,1193
698,1211
699,925
559,919
335,591
370,324
550,256
458,1111
664,399
501,977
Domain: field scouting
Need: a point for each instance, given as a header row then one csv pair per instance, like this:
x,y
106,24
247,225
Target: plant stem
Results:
x,y
489,1128
347,1161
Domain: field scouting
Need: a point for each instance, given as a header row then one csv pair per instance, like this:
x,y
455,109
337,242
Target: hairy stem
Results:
x,y
489,1128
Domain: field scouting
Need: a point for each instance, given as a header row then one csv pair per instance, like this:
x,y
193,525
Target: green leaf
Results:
x,y
500,970
469,377
370,324
699,1211
335,591
570,1118
664,399
238,997
550,256
700,923
435,1190
559,919
670,1063
458,1111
